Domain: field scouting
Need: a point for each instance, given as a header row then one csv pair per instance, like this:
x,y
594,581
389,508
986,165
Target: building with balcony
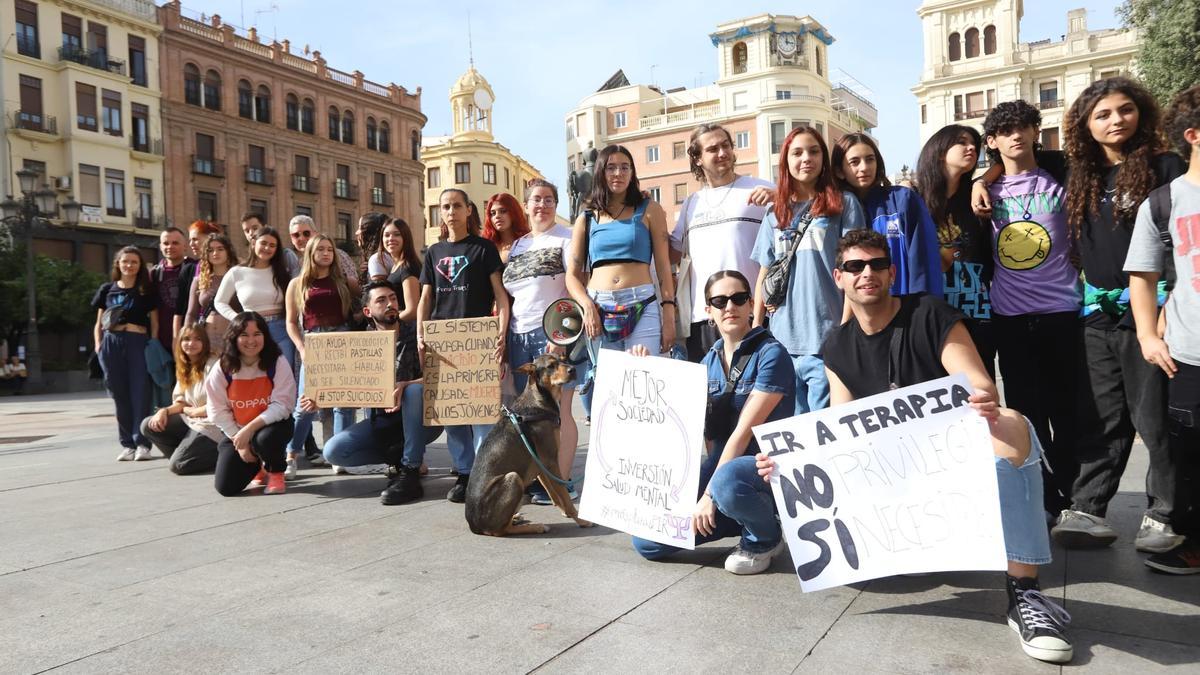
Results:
x,y
470,158
773,75
252,127
81,107
974,58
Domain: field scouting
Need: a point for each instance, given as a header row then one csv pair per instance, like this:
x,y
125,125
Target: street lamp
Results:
x,y
34,204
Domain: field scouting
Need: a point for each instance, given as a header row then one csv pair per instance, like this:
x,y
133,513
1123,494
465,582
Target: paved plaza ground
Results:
x,y
124,567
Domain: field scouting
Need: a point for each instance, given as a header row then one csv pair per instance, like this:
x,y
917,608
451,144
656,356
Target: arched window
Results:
x,y
335,124
740,59
989,40
371,134
348,128
212,90
245,100
820,66
955,45
191,84
415,141
262,104
972,43
307,112
292,112
385,137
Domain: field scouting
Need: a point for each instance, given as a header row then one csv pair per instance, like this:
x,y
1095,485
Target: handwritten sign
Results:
x,y
350,369
895,483
462,378
647,441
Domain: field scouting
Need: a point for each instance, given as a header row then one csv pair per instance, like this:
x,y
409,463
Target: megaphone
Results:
x,y
563,323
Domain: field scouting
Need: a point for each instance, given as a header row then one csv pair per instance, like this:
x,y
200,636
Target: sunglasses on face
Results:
x,y
857,266
720,301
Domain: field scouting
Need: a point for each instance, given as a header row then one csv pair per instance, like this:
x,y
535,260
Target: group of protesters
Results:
x,y
1077,271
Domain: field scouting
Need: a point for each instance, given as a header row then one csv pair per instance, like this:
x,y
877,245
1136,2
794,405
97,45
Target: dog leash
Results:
x,y
516,420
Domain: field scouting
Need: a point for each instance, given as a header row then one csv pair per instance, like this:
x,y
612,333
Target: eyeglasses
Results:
x,y
543,201
720,301
857,266
618,168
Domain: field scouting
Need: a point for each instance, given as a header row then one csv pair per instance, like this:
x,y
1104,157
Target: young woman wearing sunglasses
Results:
x,y
733,501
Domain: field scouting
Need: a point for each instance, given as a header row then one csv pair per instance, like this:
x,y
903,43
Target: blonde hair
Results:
x,y
189,372
308,273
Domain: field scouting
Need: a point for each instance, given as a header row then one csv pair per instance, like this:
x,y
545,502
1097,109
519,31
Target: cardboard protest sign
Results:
x,y
896,483
462,377
350,369
647,441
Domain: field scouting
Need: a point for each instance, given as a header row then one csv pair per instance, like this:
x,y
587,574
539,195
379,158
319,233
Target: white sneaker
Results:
x,y
365,469
126,455
290,472
338,470
741,561
141,454
1076,529
1156,537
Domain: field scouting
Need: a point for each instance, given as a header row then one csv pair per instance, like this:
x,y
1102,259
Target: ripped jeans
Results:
x,y
1022,516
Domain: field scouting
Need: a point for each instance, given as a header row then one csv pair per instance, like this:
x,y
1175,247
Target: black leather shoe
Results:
x,y
458,493
403,488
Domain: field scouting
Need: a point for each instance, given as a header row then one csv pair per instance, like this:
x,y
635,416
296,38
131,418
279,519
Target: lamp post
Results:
x,y
34,204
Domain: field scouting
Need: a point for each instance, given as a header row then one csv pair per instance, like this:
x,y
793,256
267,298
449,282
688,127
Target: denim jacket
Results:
x,y
769,370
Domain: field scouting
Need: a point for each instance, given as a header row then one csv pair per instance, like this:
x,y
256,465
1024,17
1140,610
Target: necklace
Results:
x,y
1029,196
615,217
949,233
728,188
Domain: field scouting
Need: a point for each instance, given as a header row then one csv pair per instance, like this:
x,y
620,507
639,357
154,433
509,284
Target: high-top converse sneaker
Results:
x,y
1040,623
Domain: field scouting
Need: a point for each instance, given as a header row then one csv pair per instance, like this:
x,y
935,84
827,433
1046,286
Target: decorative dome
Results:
x,y
469,82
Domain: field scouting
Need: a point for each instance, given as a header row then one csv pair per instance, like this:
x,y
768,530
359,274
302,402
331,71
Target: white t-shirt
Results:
x,y
721,228
380,264
536,276
255,289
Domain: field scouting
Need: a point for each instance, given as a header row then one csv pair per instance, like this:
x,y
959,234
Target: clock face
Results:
x,y
787,44
483,99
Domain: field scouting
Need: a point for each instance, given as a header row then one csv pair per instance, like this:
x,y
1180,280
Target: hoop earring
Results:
x,y
712,324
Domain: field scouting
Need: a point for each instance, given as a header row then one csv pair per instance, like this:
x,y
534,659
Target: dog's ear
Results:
x,y
528,368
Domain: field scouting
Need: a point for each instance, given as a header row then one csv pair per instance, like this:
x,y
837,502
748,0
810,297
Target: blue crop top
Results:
x,y
610,241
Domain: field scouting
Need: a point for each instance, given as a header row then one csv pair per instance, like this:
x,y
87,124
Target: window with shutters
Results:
x,y
27,29
139,137
191,84
206,206
111,111
972,43
462,172
72,36
212,90
372,133
489,173
680,192
335,124
30,115
292,112
143,192
89,185
97,43
85,106
137,60
307,113
435,177
245,100
256,168
989,40
348,128
262,105
678,150
114,191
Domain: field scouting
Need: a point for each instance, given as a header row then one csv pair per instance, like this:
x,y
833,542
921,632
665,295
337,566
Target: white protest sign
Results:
x,y
896,483
647,441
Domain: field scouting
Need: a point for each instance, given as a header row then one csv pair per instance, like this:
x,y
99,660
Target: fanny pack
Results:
x,y
619,321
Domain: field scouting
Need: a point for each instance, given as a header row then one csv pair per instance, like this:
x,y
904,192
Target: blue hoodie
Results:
x,y
899,214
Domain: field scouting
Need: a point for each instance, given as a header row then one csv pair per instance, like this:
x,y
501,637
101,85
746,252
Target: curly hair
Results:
x,y
1008,116
1182,114
864,238
1135,175
206,270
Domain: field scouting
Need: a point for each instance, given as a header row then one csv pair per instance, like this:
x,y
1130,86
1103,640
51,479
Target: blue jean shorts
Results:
x,y
649,327
524,348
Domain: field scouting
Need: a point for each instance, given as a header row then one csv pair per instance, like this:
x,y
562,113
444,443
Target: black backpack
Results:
x,y
1160,211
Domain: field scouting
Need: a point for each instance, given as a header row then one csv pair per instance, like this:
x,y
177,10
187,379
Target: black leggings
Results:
x,y
269,443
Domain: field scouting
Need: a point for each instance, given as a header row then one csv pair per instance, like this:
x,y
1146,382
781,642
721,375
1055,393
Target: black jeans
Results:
x,y
189,451
1183,412
269,443
1121,395
1041,362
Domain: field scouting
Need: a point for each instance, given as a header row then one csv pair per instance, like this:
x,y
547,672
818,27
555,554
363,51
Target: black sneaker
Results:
x,y
458,493
403,488
312,453
1039,622
1185,559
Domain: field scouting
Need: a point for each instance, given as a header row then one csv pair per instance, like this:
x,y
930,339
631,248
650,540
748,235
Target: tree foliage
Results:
x,y
1169,55
64,293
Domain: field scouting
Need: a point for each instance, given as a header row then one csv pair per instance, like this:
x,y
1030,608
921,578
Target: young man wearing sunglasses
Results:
x,y
892,342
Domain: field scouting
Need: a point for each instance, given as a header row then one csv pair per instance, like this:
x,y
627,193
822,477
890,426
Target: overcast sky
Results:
x,y
541,58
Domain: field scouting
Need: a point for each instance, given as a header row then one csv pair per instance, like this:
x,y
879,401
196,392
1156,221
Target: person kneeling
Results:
x,y
251,394
896,342
750,382
394,436
182,430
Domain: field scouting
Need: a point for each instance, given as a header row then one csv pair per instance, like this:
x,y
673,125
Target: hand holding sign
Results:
x,y
350,369
900,482
462,376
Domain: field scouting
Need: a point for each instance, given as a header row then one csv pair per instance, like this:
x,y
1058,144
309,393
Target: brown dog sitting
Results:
x,y
504,468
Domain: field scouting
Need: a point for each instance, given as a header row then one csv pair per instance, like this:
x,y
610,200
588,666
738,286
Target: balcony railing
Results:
x,y
381,197
35,121
119,213
969,115
152,146
207,166
151,222
97,59
260,176
1048,104
342,189
304,183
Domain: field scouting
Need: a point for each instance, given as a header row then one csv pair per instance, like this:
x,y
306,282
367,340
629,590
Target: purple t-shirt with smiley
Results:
x,y
1032,247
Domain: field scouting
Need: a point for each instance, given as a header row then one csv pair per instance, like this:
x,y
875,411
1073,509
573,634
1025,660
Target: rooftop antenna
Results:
x,y
273,9
470,46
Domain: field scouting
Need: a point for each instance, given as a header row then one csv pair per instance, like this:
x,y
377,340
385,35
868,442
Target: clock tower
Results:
x,y
471,100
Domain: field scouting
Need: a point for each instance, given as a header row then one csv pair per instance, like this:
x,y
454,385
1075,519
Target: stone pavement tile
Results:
x,y
621,647
926,639
356,546
1114,653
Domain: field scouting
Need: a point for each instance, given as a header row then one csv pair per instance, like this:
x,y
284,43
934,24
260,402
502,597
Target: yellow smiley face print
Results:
x,y
1023,245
